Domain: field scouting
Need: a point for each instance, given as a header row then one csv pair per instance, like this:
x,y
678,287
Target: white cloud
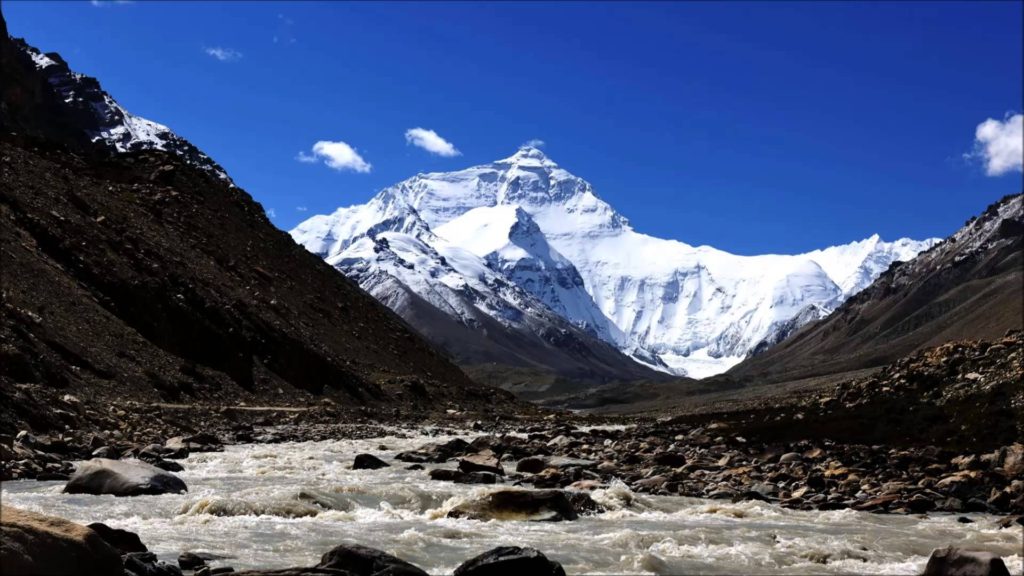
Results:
x,y
1000,145
301,208
535,143
337,155
223,54
430,141
271,213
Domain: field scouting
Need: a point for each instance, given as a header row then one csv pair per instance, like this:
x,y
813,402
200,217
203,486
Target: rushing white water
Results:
x,y
282,505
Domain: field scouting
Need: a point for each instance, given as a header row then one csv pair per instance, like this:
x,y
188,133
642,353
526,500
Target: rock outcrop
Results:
x,y
36,544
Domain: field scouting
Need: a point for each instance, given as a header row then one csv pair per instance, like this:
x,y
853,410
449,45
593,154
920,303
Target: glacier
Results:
x,y
527,238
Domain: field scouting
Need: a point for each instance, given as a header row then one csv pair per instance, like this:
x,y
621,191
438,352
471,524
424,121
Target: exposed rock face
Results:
x,y
510,561
122,478
956,562
36,544
532,505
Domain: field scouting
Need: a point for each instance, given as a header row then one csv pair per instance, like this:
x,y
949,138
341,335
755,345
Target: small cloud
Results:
x,y
223,54
301,208
1000,145
535,143
337,155
271,213
102,3
431,142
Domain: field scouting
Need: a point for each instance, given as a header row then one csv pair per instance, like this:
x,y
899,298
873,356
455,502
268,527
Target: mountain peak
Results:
x,y
526,154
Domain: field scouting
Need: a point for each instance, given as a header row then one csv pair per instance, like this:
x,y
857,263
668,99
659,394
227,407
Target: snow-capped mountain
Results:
x,y
90,109
525,221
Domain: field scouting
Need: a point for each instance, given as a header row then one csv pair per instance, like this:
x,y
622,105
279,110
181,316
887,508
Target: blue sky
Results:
x,y
760,127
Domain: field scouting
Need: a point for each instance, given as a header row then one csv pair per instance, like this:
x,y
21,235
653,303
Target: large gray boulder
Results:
x,y
953,561
122,478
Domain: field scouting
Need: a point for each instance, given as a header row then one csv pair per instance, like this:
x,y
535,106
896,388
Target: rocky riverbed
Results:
x,y
284,504
650,458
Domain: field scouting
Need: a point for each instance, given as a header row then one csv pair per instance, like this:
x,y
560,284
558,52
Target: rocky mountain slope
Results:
x,y
134,270
521,238
969,286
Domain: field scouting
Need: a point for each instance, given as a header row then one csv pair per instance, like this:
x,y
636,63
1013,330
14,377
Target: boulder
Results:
x,y
33,543
790,457
122,478
122,540
532,464
953,561
168,465
368,462
531,505
147,564
1013,461
484,461
364,561
437,452
202,442
672,459
190,561
510,561
446,475
478,478
106,452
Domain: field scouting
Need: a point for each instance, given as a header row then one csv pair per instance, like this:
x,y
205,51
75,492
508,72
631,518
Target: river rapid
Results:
x,y
283,505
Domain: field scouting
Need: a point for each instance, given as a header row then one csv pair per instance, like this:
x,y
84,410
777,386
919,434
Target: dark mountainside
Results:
x,y
146,276
970,286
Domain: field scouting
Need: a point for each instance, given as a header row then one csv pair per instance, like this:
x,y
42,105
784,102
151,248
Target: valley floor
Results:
x,y
284,503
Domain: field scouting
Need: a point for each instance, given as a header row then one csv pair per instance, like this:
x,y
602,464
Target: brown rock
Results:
x,y
36,544
484,461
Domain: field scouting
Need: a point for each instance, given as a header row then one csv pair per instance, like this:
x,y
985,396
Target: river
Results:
x,y
281,505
